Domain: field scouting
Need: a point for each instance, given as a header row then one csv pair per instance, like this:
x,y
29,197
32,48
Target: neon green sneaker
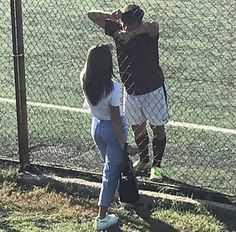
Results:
x,y
156,174
142,168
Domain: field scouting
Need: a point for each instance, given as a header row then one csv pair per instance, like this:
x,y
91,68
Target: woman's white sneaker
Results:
x,y
106,222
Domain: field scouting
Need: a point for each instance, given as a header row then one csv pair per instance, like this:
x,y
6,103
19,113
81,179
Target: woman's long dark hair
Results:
x,y
97,79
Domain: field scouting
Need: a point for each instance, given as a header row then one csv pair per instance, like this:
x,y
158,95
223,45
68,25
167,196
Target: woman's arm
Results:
x,y
117,124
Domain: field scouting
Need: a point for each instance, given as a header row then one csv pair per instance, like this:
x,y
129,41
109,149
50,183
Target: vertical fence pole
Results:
x,y
19,72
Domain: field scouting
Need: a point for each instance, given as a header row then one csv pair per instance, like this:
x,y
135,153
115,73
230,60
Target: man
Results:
x,y
146,99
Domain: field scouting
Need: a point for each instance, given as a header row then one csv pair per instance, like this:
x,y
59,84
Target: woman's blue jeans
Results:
x,y
104,136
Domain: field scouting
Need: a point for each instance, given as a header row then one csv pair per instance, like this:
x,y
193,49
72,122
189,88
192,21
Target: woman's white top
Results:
x,y
102,110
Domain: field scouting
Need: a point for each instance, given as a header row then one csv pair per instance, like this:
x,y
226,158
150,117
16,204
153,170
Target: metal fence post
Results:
x,y
19,73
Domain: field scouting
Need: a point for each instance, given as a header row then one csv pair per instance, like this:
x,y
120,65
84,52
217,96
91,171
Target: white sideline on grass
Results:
x,y
81,110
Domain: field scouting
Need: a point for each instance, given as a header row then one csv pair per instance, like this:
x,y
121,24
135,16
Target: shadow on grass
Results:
x,y
4,222
224,216
176,187
158,225
227,218
147,223
151,224
8,228
154,224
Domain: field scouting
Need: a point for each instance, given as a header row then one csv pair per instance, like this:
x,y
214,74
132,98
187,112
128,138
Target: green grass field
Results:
x,y
37,209
43,210
197,54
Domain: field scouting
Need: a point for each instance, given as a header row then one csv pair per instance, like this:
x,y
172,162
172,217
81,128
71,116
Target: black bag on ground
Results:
x,y
128,185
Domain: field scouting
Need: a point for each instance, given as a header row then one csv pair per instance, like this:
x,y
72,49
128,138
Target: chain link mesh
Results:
x,y
197,54
8,122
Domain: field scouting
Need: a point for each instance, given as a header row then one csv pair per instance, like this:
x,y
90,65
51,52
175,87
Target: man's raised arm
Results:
x,y
100,17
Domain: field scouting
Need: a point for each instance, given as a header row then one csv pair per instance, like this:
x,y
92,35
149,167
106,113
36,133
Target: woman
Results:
x,y
109,129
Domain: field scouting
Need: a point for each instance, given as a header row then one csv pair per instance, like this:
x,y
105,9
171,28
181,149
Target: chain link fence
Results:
x,y
197,54
8,122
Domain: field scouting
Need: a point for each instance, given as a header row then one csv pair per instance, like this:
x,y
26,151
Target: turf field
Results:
x,y
197,54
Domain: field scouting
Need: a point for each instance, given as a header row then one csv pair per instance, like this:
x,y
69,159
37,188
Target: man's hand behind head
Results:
x,y
116,15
